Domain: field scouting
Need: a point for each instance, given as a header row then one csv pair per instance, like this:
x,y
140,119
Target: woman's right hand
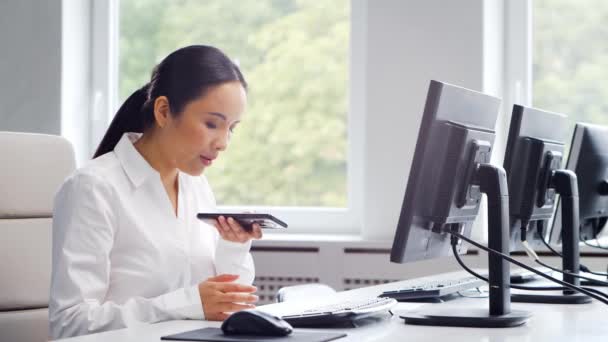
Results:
x,y
220,296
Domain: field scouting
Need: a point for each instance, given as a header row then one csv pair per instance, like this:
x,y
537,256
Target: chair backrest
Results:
x,y
32,167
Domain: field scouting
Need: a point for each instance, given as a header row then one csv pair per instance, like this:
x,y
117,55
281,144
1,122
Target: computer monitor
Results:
x,y
588,158
535,146
533,159
449,173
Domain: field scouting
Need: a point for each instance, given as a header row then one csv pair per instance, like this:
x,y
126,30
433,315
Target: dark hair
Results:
x,y
182,76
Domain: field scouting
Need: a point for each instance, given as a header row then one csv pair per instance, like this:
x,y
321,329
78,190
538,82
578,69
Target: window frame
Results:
x,y
313,220
104,70
518,53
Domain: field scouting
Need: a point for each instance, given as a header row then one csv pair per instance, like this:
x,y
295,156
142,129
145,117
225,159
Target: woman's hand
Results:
x,y
231,230
220,296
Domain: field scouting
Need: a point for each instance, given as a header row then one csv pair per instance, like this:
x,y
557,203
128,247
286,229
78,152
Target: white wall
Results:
x,y
30,66
44,78
408,44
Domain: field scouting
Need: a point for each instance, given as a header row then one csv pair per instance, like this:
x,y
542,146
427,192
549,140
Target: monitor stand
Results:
x,y
567,187
493,182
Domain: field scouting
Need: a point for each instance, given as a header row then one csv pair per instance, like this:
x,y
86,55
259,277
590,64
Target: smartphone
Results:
x,y
266,221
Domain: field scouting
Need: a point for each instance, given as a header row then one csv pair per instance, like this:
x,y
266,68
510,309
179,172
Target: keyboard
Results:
x,y
433,291
339,313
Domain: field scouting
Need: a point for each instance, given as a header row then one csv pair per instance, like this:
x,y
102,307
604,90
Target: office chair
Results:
x,y
32,167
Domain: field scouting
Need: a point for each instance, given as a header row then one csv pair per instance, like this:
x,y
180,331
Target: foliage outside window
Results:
x,y
570,54
291,148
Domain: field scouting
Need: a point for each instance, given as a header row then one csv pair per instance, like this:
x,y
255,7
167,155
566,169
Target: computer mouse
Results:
x,y
255,322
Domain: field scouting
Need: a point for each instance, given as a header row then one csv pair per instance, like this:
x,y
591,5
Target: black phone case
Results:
x,y
266,221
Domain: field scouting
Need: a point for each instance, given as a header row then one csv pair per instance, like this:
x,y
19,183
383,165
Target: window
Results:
x,y
291,148
294,153
569,53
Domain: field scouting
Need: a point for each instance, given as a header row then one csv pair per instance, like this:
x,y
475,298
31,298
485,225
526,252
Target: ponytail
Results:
x,y
129,118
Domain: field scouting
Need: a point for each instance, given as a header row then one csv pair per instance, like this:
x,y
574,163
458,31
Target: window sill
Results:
x,y
317,240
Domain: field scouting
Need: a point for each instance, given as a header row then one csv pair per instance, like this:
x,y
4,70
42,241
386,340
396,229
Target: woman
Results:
x,y
127,246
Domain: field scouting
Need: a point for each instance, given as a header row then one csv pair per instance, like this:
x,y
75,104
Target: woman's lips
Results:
x,y
206,161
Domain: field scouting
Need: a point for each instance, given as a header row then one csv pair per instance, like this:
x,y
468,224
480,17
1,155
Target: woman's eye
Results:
x,y
211,125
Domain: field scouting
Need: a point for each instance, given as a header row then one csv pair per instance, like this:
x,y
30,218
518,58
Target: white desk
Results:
x,y
586,322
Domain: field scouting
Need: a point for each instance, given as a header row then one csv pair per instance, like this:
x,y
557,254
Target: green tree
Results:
x,y
291,148
571,58
294,141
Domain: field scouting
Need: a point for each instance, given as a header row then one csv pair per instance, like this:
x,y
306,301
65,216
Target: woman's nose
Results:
x,y
221,142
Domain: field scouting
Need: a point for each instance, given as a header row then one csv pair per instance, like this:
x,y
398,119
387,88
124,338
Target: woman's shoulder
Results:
x,y
100,172
90,191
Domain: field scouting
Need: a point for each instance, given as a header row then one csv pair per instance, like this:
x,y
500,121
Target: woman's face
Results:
x,y
203,129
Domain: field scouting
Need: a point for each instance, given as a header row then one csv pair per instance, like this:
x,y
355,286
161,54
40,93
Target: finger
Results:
x,y
234,287
222,222
238,297
257,231
237,229
235,226
220,230
230,235
234,307
224,278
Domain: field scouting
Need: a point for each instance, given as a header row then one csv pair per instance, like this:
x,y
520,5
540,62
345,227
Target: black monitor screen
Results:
x,y
535,145
589,160
457,129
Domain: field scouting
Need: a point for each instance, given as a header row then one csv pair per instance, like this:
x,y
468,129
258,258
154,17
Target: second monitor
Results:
x,y
533,160
535,146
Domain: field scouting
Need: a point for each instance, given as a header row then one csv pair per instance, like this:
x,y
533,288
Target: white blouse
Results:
x,y
120,254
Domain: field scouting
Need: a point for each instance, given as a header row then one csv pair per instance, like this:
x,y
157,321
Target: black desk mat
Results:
x,y
216,335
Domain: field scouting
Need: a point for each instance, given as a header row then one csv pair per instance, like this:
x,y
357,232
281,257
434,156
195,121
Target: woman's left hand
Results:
x,y
231,230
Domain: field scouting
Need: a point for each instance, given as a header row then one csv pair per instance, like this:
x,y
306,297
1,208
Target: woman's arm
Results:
x,y
84,225
231,257
234,258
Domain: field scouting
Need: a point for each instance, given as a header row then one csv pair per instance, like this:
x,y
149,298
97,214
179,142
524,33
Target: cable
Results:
x,y
593,280
550,248
540,229
586,270
582,267
522,265
518,287
466,268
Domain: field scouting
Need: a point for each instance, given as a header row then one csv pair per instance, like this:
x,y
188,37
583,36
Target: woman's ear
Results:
x,y
162,112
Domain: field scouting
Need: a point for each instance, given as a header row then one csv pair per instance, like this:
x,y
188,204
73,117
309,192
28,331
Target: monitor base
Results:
x,y
550,299
438,299
473,318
